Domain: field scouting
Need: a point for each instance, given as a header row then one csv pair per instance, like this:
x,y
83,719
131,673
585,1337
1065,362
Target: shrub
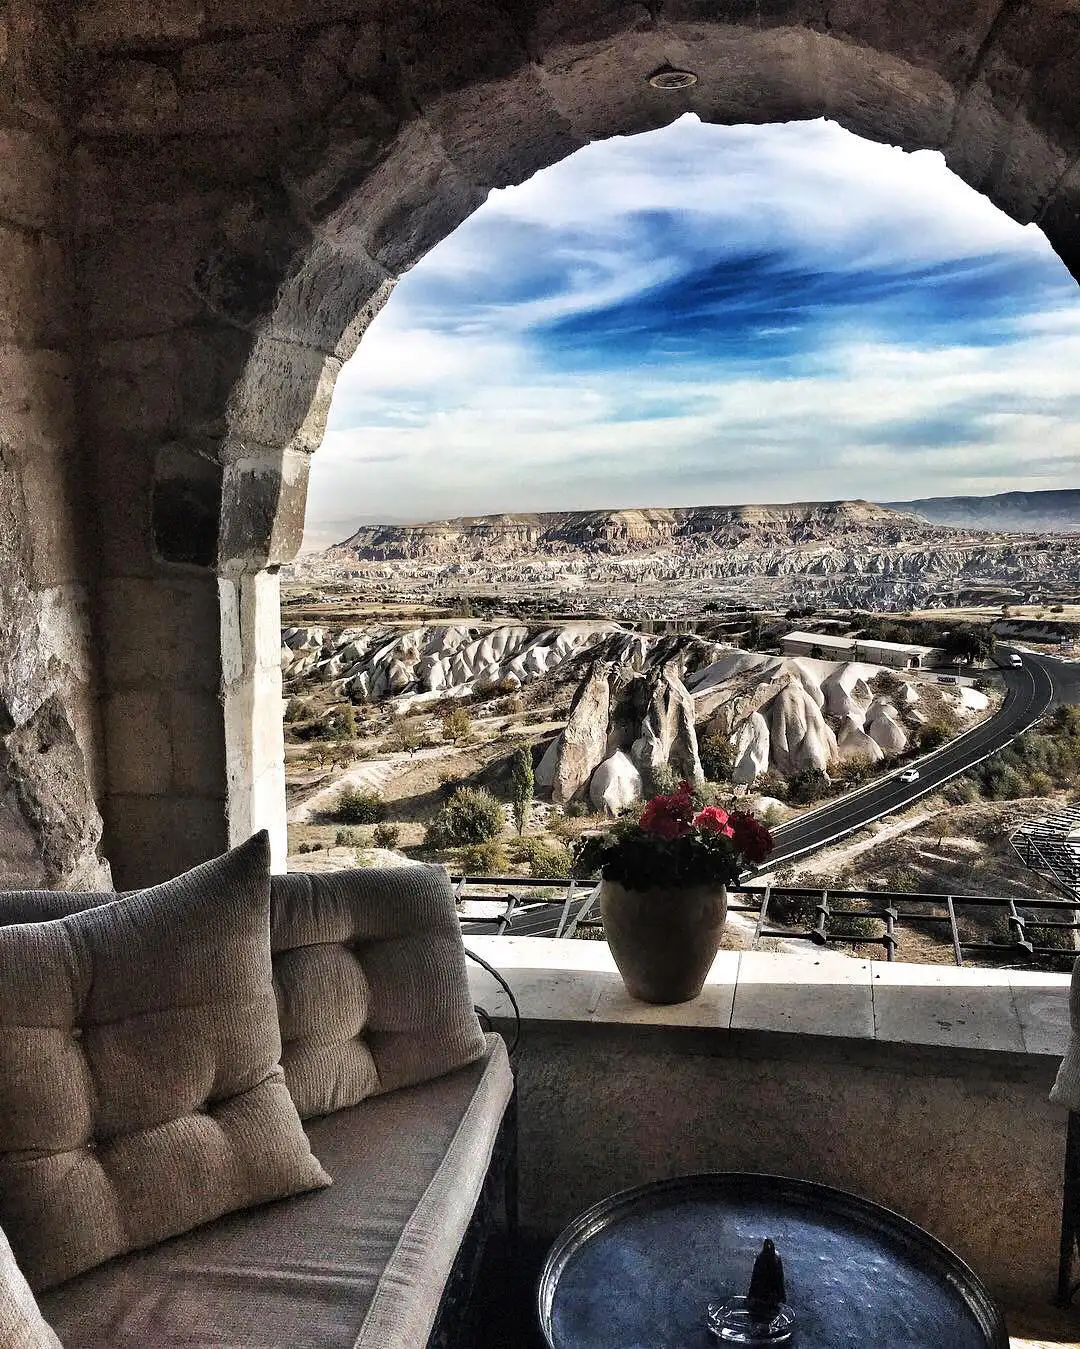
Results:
x,y
661,781
356,806
340,725
307,847
457,725
350,838
794,910
544,858
808,786
717,757
515,703
471,815
484,859
386,835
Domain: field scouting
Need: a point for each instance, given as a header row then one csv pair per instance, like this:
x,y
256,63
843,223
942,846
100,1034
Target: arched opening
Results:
x,y
268,225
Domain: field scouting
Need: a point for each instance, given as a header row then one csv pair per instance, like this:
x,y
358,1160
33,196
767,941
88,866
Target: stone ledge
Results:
x,y
825,996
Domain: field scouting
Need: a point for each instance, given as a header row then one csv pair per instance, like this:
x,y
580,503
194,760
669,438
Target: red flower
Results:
x,y
669,816
714,820
750,837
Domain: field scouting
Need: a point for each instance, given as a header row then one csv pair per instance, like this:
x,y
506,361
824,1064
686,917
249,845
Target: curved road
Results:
x,y
1029,693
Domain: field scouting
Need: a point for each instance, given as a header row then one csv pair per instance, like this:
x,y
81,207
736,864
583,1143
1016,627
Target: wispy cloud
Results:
x,y
718,314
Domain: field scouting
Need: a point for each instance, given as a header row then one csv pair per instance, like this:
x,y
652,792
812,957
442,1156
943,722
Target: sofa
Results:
x,y
368,1096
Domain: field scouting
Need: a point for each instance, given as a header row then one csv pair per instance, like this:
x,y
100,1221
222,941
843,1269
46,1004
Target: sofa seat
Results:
x,y
360,1265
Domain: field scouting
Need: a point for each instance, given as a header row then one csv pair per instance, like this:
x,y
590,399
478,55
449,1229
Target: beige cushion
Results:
x,y
369,970
1066,1089
21,1323
361,1265
140,1089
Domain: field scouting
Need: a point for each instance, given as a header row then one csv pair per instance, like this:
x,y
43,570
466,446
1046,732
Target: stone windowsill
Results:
x,y
1006,1011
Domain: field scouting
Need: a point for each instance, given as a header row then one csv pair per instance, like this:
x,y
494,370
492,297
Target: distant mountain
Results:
x,y
695,528
1051,512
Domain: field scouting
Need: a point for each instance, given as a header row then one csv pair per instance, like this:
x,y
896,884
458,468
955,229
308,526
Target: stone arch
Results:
x,y
280,172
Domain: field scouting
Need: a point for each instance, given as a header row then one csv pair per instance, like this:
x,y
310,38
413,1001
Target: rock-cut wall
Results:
x,y
50,826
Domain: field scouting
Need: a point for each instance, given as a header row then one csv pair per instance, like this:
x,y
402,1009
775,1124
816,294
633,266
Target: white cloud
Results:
x,y
449,411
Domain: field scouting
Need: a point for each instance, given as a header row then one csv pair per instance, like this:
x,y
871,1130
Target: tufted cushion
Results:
x,y
369,970
21,1323
140,1089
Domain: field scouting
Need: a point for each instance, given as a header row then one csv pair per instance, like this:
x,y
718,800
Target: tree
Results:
x,y
457,725
521,784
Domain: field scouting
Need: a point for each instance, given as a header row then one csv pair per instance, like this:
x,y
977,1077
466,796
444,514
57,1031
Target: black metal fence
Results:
x,y
983,929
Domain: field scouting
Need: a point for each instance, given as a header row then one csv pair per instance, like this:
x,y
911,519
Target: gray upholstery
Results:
x,y
369,975
140,1086
369,972
21,1323
360,1265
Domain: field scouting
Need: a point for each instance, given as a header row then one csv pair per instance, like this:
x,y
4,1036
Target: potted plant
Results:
x,y
663,890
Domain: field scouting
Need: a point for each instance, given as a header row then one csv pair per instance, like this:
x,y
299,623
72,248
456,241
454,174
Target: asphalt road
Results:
x,y
1029,692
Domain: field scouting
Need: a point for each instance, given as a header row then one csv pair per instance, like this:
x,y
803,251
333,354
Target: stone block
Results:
x,y
284,395
37,402
945,39
32,188
35,288
139,278
139,734
454,45
1042,1004
238,84
124,470
409,202
197,728
943,1005
502,132
160,633
329,300
152,838
186,505
829,996
131,97
345,145
54,521
1003,156
166,387
602,89
104,25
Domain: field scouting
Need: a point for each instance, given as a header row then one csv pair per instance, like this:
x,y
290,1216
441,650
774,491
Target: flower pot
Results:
x,y
663,941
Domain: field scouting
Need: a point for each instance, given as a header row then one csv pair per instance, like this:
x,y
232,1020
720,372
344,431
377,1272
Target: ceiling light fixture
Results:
x,y
667,77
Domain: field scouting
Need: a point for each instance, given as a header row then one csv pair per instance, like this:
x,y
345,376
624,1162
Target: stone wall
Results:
x,y
50,758
248,181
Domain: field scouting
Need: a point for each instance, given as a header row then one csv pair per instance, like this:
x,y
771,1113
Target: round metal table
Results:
x,y
638,1270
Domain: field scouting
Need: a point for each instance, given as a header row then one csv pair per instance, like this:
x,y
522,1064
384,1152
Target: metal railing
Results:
x,y
1045,846
1024,931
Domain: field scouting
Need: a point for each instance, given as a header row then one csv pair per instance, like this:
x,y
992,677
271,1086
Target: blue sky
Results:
x,y
708,315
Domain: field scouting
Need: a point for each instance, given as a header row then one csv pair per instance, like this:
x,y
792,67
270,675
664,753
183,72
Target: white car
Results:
x,y
909,775
1015,660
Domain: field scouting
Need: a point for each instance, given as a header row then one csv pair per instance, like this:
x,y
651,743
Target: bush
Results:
x,y
661,781
355,806
350,838
471,815
717,757
386,835
340,725
484,859
794,910
544,858
808,786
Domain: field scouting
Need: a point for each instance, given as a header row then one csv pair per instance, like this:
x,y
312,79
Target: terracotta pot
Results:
x,y
663,941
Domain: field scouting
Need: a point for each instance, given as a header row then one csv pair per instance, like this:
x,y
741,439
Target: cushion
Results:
x,y
21,1324
140,1088
359,1266
1066,1089
373,995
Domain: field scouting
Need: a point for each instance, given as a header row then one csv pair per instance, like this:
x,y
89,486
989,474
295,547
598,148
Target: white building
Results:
x,y
824,646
